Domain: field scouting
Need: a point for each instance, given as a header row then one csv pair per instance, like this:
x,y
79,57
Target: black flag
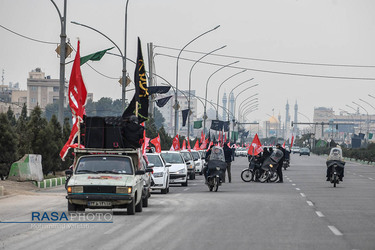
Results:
x,y
217,125
158,89
226,126
185,114
161,102
141,90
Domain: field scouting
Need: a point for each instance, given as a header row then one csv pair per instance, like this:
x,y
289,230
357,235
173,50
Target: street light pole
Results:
x,y
178,57
62,62
218,91
191,69
366,119
205,96
237,87
124,59
235,99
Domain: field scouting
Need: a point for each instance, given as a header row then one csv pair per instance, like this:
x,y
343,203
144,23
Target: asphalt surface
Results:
x,y
304,212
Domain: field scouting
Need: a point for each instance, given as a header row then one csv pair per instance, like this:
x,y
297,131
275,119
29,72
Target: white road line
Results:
x,y
310,203
320,214
290,180
360,175
293,184
371,178
335,231
354,174
298,189
186,189
113,229
302,194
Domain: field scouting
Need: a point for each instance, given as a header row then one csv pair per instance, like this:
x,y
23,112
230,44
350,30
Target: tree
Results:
x,y
11,117
23,141
8,145
159,119
165,139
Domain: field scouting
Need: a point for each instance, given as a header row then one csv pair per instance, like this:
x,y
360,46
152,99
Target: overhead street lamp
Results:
x,y
191,69
249,101
249,111
122,56
218,91
367,103
237,87
243,91
205,96
178,57
249,108
366,119
62,61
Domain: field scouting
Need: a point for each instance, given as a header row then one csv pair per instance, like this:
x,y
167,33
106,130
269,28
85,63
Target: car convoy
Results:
x,y
124,178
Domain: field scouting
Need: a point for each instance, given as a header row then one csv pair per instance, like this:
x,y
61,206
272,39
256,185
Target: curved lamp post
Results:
x,y
205,96
366,119
191,69
178,57
237,87
218,91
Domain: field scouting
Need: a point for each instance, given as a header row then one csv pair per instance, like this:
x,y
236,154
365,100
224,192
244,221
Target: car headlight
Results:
x,y
181,171
271,166
159,174
218,168
124,190
75,189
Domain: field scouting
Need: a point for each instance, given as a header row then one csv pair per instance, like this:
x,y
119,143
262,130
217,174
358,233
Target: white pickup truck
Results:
x,y
106,178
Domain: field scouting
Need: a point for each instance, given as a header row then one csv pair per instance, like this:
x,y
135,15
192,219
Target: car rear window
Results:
x,y
172,157
155,159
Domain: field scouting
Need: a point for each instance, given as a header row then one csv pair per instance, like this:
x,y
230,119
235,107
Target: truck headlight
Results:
x,y
124,190
75,189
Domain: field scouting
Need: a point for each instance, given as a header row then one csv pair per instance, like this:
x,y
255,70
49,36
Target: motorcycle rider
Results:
x,y
335,155
207,158
280,165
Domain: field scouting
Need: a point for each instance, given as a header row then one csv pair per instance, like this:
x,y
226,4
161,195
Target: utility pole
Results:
x,y
150,49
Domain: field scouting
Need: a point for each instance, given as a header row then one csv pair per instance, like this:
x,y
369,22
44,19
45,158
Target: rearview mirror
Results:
x,y
168,165
68,172
140,172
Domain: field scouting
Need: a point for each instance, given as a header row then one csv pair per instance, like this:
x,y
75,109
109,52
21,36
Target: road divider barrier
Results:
x,y
53,182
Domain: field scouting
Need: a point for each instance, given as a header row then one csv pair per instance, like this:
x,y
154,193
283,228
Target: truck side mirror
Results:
x,y
68,172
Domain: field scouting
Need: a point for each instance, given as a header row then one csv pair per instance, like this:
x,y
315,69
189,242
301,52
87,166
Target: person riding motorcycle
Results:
x,y
335,156
280,165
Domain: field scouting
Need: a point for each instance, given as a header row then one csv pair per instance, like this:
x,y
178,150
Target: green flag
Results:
x,y
94,56
197,124
370,135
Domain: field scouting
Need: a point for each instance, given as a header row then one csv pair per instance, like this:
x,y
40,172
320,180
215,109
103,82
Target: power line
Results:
x,y
278,72
276,61
32,39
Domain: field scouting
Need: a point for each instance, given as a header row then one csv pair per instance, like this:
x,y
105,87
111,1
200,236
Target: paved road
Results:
x,y
304,212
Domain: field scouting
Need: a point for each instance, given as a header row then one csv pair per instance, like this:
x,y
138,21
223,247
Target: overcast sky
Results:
x,y
339,32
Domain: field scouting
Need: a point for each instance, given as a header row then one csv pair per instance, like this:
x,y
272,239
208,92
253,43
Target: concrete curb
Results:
x,y
50,182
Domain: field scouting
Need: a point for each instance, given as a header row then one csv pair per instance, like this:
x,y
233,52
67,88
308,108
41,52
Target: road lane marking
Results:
x,y
298,189
360,175
293,184
310,203
302,194
335,231
186,189
290,180
320,214
371,178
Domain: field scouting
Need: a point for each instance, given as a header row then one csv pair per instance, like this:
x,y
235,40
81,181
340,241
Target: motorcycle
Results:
x,y
286,164
253,172
335,166
270,166
216,167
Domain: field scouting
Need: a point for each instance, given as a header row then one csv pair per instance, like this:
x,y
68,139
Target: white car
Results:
x,y
178,172
160,176
198,161
190,163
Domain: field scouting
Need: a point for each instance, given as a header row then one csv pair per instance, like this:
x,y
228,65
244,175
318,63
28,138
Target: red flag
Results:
x,y
220,137
228,143
196,146
284,144
175,144
156,142
225,139
202,137
188,145
204,144
77,89
291,143
255,147
73,135
183,145
210,145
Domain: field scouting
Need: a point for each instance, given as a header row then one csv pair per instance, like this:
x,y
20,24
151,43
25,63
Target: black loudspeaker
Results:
x,y
95,135
113,137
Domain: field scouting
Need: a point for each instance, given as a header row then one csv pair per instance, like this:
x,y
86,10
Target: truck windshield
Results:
x,y
104,164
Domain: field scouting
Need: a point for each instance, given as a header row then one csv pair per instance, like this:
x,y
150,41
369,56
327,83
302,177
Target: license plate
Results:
x,y
99,203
